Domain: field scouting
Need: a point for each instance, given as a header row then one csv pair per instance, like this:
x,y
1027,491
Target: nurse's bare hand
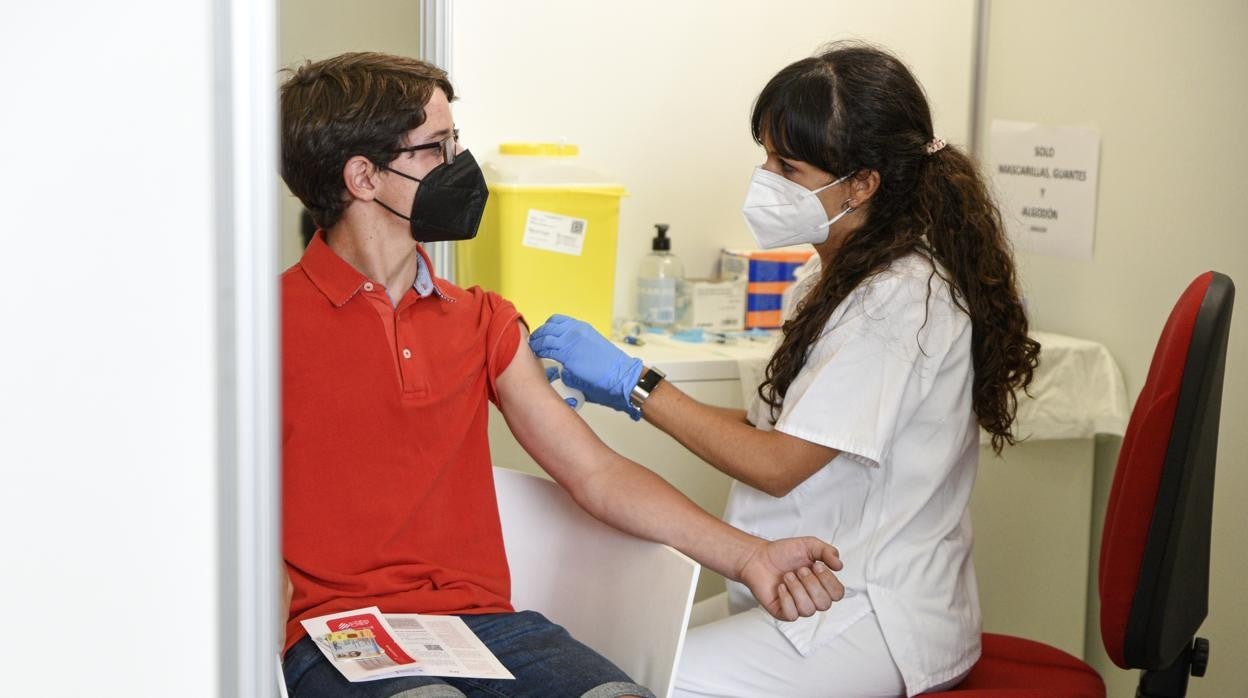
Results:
x,y
793,578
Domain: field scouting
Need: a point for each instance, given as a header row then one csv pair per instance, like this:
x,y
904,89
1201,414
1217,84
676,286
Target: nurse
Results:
x,y
907,339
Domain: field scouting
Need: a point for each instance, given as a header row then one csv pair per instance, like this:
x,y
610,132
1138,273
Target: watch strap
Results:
x,y
649,380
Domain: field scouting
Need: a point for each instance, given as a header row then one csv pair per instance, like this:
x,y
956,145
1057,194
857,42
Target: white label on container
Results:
x,y
717,305
711,305
656,301
555,233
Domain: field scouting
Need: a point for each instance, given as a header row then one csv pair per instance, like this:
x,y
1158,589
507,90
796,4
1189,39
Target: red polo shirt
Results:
x,y
387,491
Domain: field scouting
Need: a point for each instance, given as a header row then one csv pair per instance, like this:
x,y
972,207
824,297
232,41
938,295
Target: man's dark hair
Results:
x,y
353,104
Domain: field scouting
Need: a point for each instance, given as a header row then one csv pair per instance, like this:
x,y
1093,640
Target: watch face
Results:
x,y
645,385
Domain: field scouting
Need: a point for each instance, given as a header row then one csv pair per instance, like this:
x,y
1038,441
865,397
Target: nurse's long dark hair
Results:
x,y
855,108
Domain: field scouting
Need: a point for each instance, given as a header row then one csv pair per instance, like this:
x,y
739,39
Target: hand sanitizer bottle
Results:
x,y
656,282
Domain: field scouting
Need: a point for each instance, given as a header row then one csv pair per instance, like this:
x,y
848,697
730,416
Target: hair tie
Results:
x,y
934,145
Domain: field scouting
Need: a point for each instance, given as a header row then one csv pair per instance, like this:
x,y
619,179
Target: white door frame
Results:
x,y
245,136
435,47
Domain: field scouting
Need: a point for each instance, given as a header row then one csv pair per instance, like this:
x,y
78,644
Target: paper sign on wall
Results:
x,y
1045,181
555,233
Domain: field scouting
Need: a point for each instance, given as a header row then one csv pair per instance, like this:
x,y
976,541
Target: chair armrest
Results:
x,y
627,598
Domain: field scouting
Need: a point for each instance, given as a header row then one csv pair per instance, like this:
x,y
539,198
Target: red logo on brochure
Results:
x,y
370,622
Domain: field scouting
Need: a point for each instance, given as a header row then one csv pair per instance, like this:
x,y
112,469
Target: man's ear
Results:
x,y
361,178
863,185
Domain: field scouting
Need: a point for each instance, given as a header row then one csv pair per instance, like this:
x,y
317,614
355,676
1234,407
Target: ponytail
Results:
x,y
963,231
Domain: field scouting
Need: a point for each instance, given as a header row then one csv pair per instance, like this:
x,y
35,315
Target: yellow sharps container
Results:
x,y
547,241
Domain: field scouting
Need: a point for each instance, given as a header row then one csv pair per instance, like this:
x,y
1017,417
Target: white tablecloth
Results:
x,y
1077,392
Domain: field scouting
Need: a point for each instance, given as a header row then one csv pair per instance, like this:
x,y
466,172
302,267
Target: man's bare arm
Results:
x,y
790,578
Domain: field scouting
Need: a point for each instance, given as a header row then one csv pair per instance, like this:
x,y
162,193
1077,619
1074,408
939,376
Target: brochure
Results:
x,y
367,645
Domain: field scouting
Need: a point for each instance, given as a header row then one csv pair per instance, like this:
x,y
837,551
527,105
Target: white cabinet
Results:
x,y
1032,516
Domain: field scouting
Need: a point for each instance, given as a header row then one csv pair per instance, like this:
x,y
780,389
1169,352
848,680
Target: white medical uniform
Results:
x,y
888,385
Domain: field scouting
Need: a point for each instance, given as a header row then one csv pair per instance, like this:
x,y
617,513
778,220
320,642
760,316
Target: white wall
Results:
x,y
107,364
1165,85
316,29
658,94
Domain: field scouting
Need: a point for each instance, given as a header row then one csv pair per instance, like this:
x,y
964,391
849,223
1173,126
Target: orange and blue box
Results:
x,y
770,273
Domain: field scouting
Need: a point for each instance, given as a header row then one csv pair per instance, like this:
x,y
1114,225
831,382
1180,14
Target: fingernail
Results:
x,y
804,572
820,567
790,576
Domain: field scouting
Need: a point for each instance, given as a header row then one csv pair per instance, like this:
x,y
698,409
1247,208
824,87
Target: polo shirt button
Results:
x,y
407,353
368,285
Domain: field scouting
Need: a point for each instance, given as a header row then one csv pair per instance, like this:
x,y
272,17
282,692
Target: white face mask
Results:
x,y
781,213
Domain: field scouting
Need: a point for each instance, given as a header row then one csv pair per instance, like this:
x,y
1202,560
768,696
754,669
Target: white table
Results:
x,y
1076,393
1032,508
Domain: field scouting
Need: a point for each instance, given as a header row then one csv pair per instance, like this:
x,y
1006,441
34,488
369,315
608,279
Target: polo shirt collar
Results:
x,y
340,281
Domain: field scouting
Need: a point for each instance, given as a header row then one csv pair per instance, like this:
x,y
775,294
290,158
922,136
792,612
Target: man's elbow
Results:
x,y
587,490
777,485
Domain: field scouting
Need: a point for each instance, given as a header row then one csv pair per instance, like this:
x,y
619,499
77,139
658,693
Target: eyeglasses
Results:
x,y
448,146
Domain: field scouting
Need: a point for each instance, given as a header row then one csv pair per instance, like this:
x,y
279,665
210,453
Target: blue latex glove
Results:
x,y
591,363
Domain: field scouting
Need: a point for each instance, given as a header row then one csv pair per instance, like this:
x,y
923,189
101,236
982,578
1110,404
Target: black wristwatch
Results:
x,y
645,386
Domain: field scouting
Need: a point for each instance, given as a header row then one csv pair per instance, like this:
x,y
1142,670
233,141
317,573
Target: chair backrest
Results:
x,y
627,598
1154,566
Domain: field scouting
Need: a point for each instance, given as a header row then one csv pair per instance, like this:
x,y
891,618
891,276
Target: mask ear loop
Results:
x,y
845,211
832,184
404,175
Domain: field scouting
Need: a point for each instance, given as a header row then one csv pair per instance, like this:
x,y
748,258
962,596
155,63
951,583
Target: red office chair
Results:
x,y
1154,570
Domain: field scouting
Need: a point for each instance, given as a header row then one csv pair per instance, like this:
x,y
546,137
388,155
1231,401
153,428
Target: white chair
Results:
x,y
627,598
281,679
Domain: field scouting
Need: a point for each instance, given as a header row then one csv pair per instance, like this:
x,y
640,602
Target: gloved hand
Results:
x,y
591,363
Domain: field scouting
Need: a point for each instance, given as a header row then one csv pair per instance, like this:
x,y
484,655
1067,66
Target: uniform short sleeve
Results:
x,y
872,366
502,337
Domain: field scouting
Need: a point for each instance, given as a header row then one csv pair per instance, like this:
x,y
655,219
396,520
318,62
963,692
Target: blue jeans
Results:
x,y
545,660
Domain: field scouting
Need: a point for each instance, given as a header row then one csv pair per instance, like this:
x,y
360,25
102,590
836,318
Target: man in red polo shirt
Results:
x,y
388,497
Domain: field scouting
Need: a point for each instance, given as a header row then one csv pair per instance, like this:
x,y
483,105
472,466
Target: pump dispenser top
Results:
x,y
661,241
